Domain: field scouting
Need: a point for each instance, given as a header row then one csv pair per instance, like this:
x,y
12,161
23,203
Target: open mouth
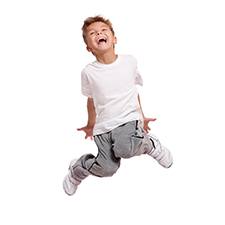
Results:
x,y
102,40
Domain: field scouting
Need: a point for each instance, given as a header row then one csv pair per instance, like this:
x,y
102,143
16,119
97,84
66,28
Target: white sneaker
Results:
x,y
69,183
160,153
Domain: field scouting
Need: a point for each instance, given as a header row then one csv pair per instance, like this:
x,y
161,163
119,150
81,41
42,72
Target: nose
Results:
x,y
99,32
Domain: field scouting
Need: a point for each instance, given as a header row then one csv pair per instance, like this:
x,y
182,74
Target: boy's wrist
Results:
x,y
90,124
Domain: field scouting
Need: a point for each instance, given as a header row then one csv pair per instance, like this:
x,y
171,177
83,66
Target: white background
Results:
x,y
180,50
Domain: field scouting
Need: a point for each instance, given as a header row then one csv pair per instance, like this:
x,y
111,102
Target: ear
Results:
x,y
115,40
88,49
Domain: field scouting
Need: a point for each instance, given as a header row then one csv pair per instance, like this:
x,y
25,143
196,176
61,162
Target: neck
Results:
x,y
106,58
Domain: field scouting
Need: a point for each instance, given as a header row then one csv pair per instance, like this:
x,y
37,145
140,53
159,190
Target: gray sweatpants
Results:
x,y
125,141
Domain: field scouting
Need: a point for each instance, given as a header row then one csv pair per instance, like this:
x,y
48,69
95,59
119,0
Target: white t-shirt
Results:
x,y
113,89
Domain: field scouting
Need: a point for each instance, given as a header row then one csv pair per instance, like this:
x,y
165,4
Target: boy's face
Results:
x,y
99,38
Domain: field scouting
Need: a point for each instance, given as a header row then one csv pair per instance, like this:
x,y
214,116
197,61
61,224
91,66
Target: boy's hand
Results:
x,y
146,121
88,131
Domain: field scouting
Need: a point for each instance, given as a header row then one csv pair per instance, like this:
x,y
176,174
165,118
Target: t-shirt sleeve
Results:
x,y
85,85
138,78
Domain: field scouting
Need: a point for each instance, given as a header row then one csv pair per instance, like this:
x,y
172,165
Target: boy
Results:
x,y
115,117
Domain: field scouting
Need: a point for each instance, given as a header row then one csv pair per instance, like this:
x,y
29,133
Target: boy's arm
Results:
x,y
139,100
146,120
88,129
91,112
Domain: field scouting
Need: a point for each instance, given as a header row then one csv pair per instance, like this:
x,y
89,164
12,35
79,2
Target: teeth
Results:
x,y
101,40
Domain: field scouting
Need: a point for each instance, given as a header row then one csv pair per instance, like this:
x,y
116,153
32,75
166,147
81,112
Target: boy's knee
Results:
x,y
129,150
109,170
104,170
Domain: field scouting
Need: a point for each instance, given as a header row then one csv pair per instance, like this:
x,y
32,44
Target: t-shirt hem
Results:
x,y
106,130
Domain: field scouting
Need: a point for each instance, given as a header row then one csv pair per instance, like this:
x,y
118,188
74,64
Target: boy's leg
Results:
x,y
155,149
128,140
76,174
131,140
106,163
103,165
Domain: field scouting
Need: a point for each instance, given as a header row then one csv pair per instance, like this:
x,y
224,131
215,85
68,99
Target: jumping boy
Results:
x,y
115,118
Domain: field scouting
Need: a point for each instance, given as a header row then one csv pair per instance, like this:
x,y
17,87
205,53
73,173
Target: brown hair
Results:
x,y
94,19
